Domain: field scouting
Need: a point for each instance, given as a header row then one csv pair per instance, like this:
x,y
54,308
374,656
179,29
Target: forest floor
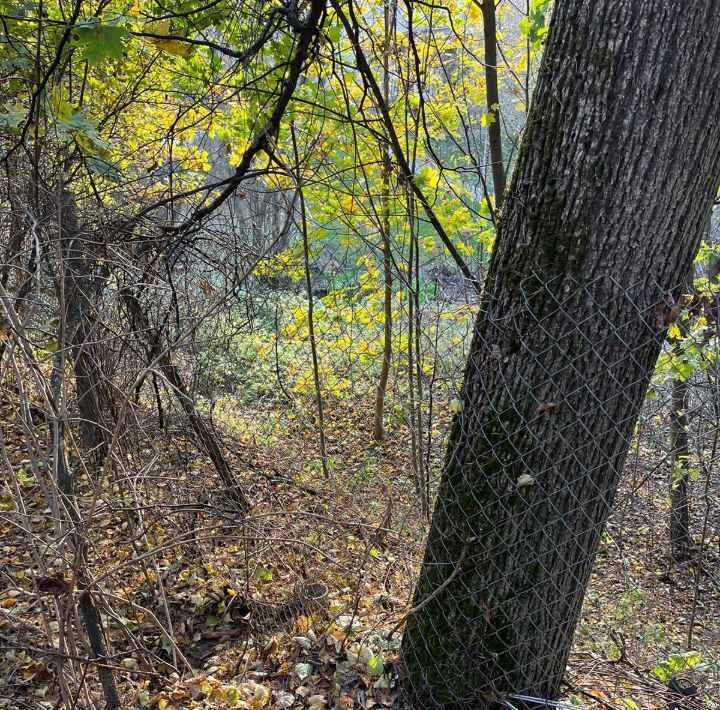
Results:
x,y
301,603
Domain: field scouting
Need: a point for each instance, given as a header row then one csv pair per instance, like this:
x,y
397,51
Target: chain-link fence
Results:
x,y
309,591
556,380
565,441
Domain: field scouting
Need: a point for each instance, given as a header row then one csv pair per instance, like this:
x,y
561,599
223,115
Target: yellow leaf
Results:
x,y
260,698
172,46
456,406
176,47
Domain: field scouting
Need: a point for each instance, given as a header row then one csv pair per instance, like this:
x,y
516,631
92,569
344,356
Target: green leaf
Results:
x,y
333,33
104,169
264,574
231,696
487,119
13,115
676,663
24,479
375,666
534,26
100,41
662,671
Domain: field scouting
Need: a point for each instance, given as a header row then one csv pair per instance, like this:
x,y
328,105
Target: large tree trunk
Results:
x,y
605,211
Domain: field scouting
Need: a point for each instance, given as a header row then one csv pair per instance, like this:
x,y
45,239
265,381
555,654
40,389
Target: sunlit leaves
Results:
x,y
534,26
691,346
677,663
74,124
487,119
159,34
283,264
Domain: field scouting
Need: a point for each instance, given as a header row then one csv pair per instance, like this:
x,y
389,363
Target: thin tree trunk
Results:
x,y
311,311
16,228
387,352
16,231
206,436
613,187
81,293
414,354
69,323
86,604
93,401
679,529
679,494
378,426
487,8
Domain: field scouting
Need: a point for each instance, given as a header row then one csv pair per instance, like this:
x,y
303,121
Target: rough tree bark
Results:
x,y
604,214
